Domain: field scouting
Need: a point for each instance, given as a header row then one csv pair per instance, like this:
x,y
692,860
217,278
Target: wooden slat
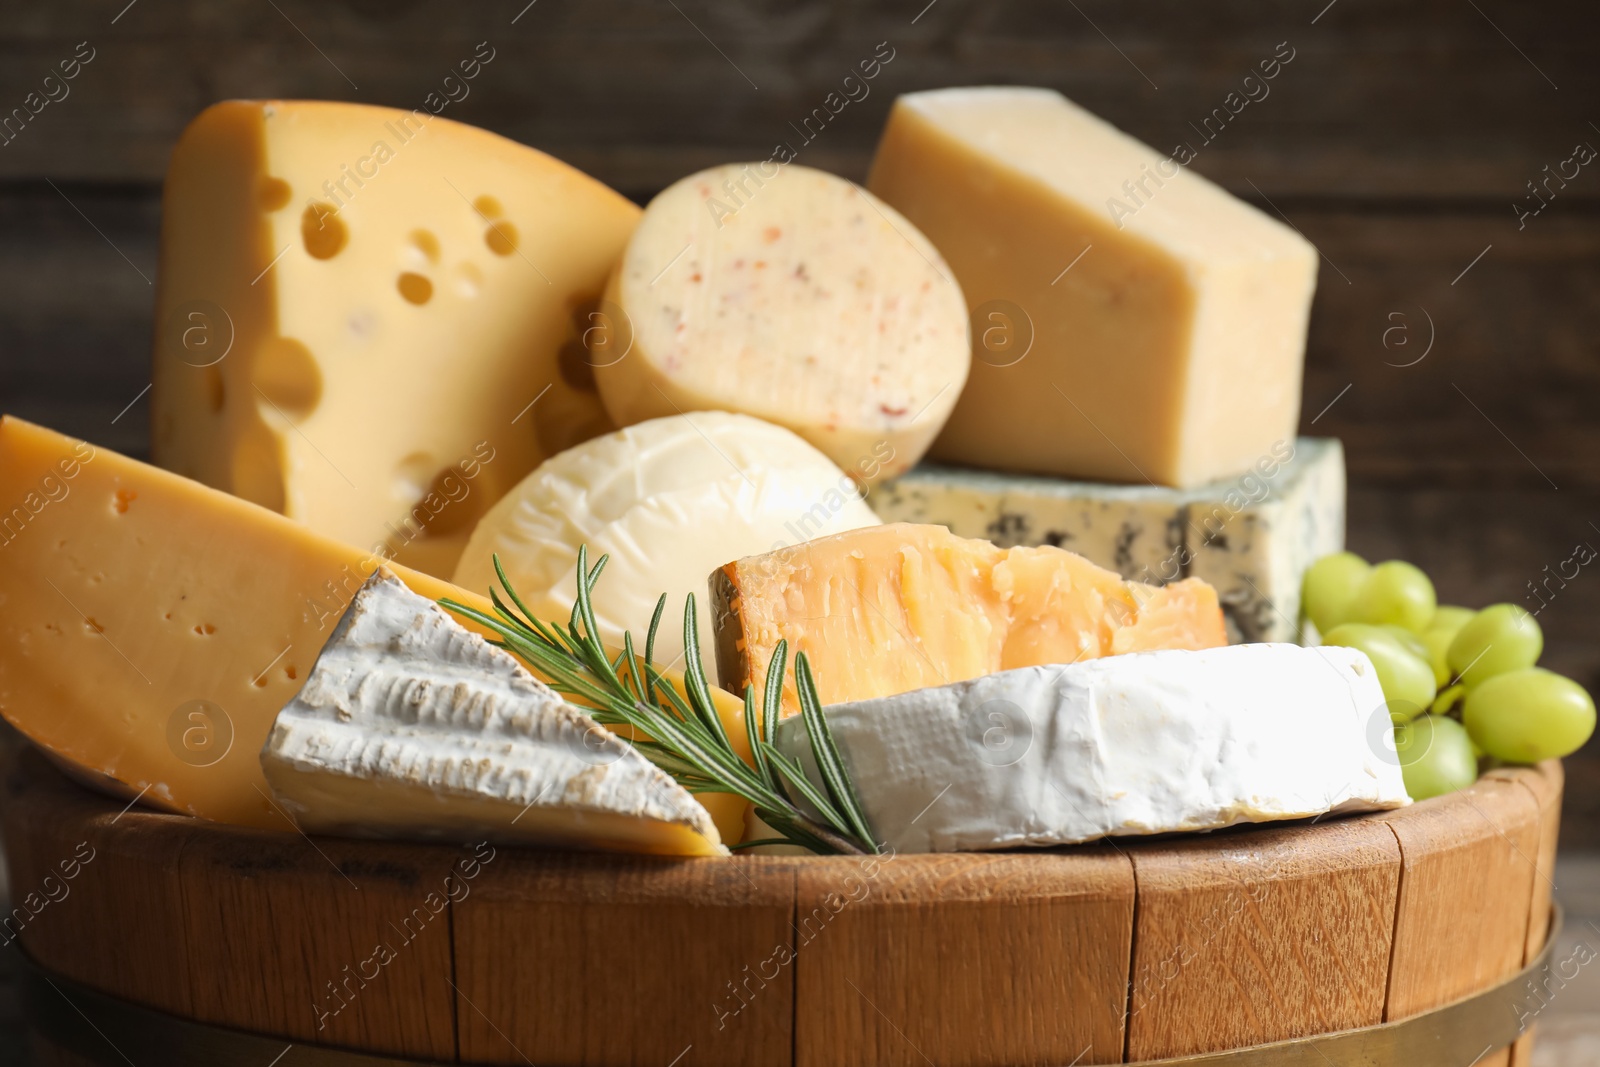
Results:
x,y
330,941
86,869
1544,782
1467,879
606,961
1258,935
963,960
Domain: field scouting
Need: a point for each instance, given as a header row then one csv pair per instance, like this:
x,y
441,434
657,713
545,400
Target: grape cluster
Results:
x,y
1461,685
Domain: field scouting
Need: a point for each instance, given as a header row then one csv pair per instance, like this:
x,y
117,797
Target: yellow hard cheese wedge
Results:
x,y
1132,322
358,305
889,609
151,628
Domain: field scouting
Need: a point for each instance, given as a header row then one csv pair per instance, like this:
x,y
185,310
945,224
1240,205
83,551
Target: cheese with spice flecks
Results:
x,y
1251,537
794,296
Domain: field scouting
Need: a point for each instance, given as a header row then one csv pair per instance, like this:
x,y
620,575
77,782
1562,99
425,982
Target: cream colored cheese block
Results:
x,y
356,308
411,726
669,500
1132,322
1251,536
1148,743
794,296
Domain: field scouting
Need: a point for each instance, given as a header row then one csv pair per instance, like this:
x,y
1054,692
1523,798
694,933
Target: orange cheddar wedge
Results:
x,y
889,609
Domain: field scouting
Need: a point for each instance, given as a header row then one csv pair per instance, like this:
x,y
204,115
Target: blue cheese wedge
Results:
x,y
412,726
1147,743
1251,537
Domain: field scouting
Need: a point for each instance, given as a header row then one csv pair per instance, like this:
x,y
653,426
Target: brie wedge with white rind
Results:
x,y
411,726
1145,743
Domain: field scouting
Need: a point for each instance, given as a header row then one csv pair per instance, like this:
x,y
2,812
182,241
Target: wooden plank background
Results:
x,y
1398,139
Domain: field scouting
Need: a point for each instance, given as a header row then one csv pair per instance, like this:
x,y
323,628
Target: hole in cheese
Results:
x,y
205,629
450,505
415,288
121,499
411,475
425,242
291,672
576,370
488,207
501,237
273,194
469,280
322,230
92,626
288,377
216,391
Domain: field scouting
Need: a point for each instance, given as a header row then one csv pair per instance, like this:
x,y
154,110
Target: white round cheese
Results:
x,y
794,296
670,501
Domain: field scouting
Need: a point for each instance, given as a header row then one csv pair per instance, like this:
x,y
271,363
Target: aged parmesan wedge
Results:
x,y
888,609
794,296
1133,322
151,628
412,726
667,500
1137,744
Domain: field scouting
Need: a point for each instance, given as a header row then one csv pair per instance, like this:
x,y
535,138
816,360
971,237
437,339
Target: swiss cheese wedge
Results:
x,y
151,628
888,609
357,308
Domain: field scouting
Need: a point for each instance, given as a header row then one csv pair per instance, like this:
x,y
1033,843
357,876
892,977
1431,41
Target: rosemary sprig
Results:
x,y
682,732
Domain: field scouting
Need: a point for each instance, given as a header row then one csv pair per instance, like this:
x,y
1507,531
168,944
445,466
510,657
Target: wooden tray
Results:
x,y
1100,954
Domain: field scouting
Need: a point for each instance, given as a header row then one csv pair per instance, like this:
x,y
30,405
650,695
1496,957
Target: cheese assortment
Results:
x,y
668,500
1134,323
152,627
1251,536
411,724
422,357
1137,744
786,293
372,320
937,609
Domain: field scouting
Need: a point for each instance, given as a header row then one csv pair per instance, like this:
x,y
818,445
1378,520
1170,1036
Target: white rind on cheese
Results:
x,y
1251,536
669,500
1146,743
795,296
412,726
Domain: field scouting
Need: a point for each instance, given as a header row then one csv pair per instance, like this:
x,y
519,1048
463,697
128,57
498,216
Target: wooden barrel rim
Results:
x,y
1340,921
1448,1036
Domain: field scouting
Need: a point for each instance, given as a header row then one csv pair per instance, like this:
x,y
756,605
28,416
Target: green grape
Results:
x,y
1395,593
1526,715
1435,756
1436,643
1448,619
1500,638
1330,587
1407,680
1410,639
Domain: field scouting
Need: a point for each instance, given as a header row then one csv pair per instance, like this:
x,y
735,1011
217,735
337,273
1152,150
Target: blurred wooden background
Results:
x,y
1399,139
